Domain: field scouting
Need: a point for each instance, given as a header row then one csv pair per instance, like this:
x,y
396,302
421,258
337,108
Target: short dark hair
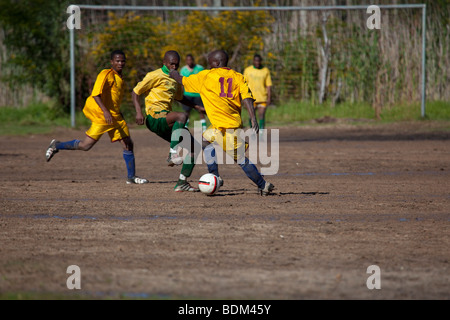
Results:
x,y
257,56
172,54
189,56
117,52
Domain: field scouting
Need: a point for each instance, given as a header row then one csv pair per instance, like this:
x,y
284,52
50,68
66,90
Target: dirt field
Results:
x,y
347,197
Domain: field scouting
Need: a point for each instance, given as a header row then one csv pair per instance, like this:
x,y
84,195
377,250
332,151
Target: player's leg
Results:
x,y
236,147
210,158
76,144
198,101
187,110
176,122
211,161
264,187
209,152
262,116
188,165
161,127
121,133
93,134
87,144
130,162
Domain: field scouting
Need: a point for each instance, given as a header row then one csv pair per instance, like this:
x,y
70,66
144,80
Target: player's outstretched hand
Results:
x,y
140,119
175,75
108,117
255,127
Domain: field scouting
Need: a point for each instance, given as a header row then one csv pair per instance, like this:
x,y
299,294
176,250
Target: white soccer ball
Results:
x,y
209,184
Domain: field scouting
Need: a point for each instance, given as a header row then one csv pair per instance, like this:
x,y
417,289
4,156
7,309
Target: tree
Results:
x,y
145,39
37,46
140,37
239,33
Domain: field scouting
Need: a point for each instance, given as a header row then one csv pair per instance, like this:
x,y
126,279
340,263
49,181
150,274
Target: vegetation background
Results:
x,y
363,74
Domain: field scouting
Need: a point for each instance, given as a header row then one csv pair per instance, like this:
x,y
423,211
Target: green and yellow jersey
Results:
x,y
160,91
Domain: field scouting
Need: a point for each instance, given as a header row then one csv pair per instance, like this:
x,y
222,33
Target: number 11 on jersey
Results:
x,y
222,88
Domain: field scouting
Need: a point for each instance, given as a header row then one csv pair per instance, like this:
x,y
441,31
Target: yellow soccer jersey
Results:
x,y
110,87
221,91
258,81
160,91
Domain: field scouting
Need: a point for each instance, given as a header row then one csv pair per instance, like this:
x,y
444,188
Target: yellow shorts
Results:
x,y
228,139
117,131
260,105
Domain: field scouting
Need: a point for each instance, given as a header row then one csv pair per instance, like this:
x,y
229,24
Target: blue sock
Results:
x,y
252,172
214,169
68,145
128,156
211,160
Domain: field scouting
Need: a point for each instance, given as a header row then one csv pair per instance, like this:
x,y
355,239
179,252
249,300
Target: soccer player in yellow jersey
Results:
x,y
160,91
260,83
223,91
103,109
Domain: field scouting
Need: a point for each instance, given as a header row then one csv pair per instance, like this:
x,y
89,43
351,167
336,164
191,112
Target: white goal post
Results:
x,y
262,8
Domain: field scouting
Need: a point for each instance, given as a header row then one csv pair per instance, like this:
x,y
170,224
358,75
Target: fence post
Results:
x,y
424,59
72,77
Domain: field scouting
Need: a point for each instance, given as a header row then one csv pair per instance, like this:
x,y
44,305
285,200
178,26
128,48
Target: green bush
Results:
x,y
36,118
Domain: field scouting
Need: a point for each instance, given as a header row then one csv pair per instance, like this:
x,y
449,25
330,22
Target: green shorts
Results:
x,y
159,126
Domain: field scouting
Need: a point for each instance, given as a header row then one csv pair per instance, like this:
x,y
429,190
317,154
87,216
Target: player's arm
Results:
x,y
137,105
193,83
248,103
101,84
269,95
192,105
174,74
144,86
268,84
106,113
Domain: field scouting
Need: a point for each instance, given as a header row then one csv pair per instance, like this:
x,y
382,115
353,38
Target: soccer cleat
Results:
x,y
174,159
52,150
137,180
220,182
185,187
268,188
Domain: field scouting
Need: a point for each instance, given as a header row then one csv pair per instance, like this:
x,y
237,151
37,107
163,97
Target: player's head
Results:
x,y
171,60
190,61
118,60
257,61
218,59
